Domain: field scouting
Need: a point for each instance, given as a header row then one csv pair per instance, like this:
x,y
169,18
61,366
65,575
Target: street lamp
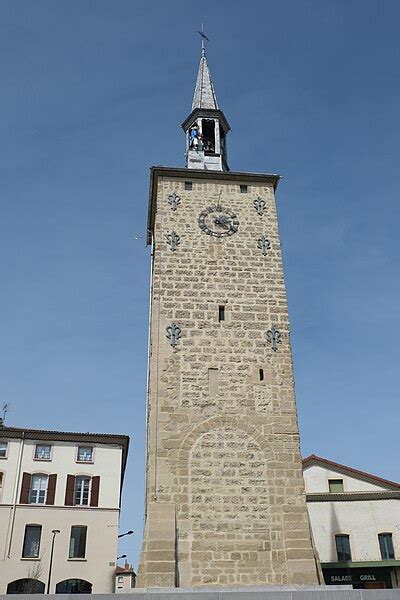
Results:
x,y
127,533
123,556
54,532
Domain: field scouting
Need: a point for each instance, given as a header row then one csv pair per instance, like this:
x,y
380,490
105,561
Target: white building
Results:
x,y
125,579
355,522
62,487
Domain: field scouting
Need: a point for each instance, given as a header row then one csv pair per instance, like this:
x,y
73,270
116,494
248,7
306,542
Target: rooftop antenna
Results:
x,y
4,411
203,37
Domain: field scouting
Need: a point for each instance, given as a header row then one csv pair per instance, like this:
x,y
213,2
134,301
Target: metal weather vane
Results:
x,y
203,38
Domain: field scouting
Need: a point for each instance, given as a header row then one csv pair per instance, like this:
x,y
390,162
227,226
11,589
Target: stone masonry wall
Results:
x,y
223,443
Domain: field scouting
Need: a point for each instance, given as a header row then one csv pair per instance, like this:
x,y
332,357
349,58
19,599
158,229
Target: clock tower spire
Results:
x,y
206,126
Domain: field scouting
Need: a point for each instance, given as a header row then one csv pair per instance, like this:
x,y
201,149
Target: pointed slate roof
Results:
x,y
204,94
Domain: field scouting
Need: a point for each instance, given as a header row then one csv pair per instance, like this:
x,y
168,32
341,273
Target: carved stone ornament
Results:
x,y
173,334
274,337
260,205
173,240
174,200
218,221
264,244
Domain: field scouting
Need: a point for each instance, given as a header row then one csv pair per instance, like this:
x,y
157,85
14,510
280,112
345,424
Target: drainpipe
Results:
x,y
16,487
149,352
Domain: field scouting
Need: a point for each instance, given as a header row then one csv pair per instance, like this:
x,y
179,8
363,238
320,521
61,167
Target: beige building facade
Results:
x,y
225,500
64,487
355,520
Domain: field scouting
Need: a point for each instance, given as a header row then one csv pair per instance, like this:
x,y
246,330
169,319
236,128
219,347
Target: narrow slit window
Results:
x,y
221,313
188,185
243,189
261,372
213,382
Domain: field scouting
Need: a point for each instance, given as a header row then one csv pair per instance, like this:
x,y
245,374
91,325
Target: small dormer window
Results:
x,y
3,449
85,454
335,485
43,452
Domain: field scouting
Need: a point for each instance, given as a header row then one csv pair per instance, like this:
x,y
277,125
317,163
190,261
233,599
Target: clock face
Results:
x,y
218,221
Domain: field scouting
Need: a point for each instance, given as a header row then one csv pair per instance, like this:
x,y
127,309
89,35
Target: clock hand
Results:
x,y
222,221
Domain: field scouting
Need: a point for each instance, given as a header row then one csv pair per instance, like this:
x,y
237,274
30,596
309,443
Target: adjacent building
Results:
x,y
355,521
60,495
125,578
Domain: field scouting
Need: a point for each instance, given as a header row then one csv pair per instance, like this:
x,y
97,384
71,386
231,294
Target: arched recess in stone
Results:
x,y
180,464
221,421
228,505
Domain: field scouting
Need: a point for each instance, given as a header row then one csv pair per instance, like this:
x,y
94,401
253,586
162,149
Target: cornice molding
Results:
x,y
353,496
191,174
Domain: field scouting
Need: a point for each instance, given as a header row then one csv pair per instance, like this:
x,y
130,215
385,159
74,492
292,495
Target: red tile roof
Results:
x,y
127,568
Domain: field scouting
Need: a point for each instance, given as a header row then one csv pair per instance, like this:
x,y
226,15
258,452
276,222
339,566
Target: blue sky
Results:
x,y
93,93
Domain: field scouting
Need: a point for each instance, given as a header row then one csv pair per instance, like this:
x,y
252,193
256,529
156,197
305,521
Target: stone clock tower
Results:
x,y
225,501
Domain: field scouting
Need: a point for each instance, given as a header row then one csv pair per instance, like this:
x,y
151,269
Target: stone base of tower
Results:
x,y
157,565
233,561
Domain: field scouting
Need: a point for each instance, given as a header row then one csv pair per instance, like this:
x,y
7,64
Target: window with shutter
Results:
x,y
38,489
26,484
94,496
81,491
69,491
51,489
